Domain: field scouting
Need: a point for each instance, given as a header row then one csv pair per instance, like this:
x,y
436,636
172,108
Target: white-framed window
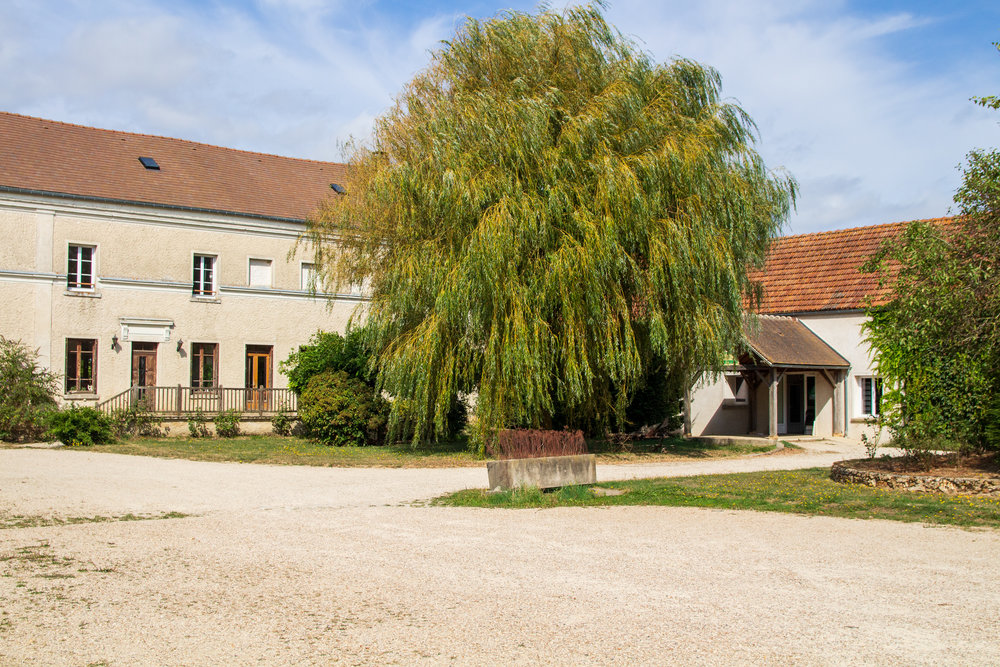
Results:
x,y
204,279
869,396
259,272
80,267
308,276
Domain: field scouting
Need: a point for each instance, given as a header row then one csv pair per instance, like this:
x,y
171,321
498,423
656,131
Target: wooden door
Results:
x,y
258,376
144,373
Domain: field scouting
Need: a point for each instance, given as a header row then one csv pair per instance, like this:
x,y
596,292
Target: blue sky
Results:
x,y
866,104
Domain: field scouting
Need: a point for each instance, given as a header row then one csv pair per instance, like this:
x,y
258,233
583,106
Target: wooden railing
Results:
x,y
182,401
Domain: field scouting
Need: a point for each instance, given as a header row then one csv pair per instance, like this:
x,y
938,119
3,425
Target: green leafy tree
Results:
x,y
26,392
544,217
937,341
329,351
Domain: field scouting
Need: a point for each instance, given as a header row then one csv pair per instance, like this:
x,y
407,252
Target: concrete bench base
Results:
x,y
547,472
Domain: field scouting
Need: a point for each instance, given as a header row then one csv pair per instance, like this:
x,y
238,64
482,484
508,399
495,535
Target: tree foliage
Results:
x,y
328,351
545,216
26,392
937,341
338,409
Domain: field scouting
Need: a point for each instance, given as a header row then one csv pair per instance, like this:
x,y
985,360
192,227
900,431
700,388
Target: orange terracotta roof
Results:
x,y
786,341
48,156
817,272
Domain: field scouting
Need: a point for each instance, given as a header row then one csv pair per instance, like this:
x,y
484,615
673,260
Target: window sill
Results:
x,y
86,294
863,420
730,403
206,299
80,396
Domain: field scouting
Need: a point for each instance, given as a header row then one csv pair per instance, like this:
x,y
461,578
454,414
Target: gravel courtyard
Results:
x,y
297,565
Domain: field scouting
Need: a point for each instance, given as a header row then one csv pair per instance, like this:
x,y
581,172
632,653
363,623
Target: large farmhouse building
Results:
x,y
134,260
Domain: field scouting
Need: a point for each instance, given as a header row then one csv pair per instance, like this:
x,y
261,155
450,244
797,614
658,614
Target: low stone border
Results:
x,y
545,472
842,472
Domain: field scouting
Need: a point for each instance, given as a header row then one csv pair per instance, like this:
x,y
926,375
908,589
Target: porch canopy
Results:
x,y
782,344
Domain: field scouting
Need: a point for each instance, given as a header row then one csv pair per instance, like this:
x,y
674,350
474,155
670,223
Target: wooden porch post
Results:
x,y
840,404
772,404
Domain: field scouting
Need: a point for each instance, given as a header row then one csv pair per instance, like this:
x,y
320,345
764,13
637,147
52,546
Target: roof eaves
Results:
x,y
137,202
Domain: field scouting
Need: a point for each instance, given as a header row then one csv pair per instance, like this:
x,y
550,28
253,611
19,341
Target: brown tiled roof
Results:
x,y
786,341
48,156
815,272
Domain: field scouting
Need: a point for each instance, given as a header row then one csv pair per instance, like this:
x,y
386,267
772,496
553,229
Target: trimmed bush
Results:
x,y
281,423
135,420
198,424
80,427
227,423
337,409
26,392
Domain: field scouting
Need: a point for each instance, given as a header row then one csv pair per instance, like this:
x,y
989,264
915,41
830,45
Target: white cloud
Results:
x,y
868,134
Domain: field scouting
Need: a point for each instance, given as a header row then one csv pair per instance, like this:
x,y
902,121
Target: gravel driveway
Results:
x,y
290,565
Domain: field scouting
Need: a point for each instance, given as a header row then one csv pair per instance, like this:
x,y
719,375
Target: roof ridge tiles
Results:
x,y
169,138
830,232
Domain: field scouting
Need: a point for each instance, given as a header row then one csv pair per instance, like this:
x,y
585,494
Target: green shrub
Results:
x,y
80,426
198,424
135,420
27,394
337,409
328,351
281,423
227,423
991,425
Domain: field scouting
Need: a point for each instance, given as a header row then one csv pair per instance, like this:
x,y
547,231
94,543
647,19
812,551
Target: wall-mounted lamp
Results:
x,y
114,342
180,344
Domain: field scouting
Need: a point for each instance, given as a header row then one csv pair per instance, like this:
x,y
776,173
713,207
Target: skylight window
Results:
x,y
338,188
149,163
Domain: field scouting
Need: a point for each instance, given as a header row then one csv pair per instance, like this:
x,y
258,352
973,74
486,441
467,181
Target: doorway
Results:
x,y
144,372
801,403
258,377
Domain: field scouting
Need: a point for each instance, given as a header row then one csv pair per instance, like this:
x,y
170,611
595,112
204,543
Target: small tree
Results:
x,y
936,341
26,392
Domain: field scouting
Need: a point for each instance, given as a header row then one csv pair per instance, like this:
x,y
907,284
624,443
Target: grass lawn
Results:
x,y
298,451
797,491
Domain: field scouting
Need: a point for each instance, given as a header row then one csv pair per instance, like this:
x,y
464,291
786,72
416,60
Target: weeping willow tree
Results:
x,y
548,219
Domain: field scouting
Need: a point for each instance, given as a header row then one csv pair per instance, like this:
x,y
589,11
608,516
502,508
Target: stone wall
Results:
x,y
841,471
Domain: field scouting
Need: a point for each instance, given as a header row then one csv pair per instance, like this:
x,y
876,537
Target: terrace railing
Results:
x,y
181,401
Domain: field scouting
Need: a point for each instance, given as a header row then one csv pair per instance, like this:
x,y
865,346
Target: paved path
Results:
x,y
287,565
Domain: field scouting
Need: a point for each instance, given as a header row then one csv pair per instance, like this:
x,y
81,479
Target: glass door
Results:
x,y
258,377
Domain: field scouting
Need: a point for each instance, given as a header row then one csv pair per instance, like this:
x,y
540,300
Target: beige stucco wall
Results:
x,y
143,266
843,333
711,415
